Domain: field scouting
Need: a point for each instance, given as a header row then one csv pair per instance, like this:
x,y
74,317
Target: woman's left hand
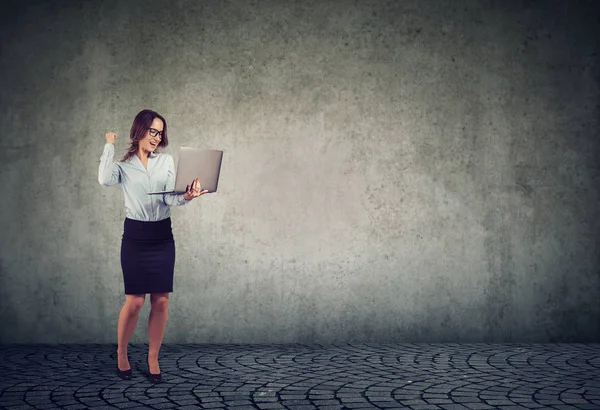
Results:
x,y
194,190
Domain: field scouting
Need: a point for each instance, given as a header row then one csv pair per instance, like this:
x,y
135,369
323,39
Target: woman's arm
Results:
x,y
172,199
108,171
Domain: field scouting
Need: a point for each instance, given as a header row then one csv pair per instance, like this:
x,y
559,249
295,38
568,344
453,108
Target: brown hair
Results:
x,y
141,123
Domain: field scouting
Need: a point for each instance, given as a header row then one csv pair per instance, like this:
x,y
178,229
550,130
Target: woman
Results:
x,y
147,246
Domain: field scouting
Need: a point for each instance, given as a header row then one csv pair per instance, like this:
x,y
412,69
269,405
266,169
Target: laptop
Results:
x,y
196,163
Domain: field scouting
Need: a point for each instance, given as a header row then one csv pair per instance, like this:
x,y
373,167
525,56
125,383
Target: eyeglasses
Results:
x,y
154,132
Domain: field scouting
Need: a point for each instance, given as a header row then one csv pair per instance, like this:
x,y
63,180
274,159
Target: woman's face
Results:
x,y
149,142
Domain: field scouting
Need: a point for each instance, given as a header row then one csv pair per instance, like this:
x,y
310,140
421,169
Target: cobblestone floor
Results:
x,y
349,376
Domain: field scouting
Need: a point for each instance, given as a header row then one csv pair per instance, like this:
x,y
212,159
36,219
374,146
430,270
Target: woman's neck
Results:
x,y
143,154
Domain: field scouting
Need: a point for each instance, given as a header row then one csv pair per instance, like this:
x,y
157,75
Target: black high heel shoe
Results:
x,y
154,378
124,374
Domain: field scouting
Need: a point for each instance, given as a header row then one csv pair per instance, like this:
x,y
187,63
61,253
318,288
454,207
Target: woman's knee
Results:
x,y
135,302
159,301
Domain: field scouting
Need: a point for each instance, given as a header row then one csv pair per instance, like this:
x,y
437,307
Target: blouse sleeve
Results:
x,y
172,199
109,172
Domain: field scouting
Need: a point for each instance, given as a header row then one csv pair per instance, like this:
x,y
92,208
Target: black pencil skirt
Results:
x,y
147,256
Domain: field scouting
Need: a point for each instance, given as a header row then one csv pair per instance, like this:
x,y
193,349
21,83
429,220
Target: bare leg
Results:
x,y
127,320
157,322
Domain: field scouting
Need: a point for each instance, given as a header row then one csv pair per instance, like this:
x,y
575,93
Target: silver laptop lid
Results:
x,y
198,163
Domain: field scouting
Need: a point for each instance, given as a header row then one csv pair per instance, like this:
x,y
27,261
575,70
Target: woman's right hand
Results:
x,y
111,137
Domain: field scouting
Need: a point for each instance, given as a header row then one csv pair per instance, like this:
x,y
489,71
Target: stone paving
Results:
x,y
298,376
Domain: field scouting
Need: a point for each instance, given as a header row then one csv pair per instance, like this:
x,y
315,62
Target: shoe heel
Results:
x,y
154,378
124,374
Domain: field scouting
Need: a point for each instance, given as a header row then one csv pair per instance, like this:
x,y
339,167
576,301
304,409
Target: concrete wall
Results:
x,y
393,171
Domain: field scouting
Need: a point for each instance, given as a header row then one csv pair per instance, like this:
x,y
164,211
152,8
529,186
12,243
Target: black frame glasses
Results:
x,y
154,132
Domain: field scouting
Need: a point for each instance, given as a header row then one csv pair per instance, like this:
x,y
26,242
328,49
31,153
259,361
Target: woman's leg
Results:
x,y
127,321
157,322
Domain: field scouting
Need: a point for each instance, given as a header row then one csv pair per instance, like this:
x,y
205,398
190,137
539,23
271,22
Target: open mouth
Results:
x,y
153,144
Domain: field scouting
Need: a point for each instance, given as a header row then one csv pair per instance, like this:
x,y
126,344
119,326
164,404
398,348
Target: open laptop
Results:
x,y
196,163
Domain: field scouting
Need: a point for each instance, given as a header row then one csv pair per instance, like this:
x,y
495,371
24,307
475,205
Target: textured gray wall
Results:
x,y
393,171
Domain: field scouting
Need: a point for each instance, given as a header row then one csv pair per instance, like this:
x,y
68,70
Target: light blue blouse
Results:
x,y
136,181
